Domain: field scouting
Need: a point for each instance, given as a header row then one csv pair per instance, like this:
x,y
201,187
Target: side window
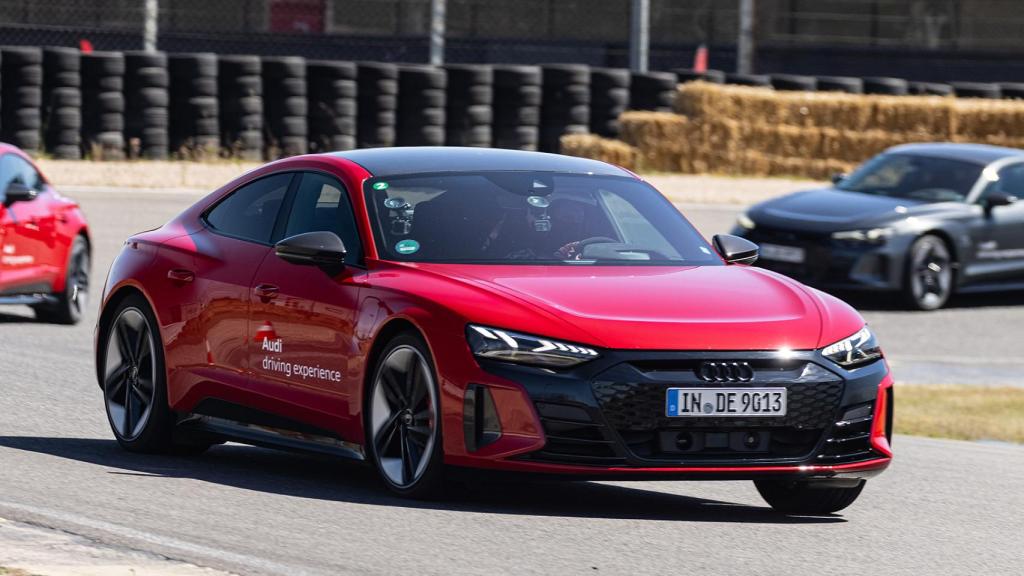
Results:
x,y
250,212
14,168
1011,181
321,204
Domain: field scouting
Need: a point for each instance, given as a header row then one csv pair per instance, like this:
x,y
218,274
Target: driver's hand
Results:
x,y
570,251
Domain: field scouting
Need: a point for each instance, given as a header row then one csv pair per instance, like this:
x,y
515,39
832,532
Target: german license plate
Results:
x,y
779,253
705,402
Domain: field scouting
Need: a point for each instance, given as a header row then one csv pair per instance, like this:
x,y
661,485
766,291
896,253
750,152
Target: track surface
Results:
x,y
943,508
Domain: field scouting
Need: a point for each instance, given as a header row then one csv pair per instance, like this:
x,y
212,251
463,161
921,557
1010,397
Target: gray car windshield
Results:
x,y
530,218
914,177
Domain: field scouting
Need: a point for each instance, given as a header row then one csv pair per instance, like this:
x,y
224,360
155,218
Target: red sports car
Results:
x,y
433,309
44,243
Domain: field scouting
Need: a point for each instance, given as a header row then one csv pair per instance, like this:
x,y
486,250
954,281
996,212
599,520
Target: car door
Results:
x,y
998,235
209,275
302,316
27,255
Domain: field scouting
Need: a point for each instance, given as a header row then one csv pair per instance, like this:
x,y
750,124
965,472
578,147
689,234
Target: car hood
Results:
x,y
654,308
831,209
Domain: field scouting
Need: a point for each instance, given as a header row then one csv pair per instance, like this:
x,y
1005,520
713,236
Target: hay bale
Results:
x,y
604,149
665,142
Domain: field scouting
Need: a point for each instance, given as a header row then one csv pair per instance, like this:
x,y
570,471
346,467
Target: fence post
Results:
x,y
745,39
640,35
437,29
149,28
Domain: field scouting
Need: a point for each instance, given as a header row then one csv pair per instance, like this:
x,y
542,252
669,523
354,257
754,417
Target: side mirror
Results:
x,y
735,250
18,192
312,249
838,177
995,199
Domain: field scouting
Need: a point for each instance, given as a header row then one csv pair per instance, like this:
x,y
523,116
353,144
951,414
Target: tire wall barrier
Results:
x,y
195,132
21,96
285,107
240,87
377,104
565,108
609,98
742,130
469,108
517,99
421,106
146,105
331,89
103,105
62,103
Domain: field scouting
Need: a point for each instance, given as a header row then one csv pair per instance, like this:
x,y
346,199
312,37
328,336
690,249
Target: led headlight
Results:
x,y
857,350
745,221
497,344
874,235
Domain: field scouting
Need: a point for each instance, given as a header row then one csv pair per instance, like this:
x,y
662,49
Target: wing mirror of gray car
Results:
x,y
18,192
838,177
322,249
995,199
735,250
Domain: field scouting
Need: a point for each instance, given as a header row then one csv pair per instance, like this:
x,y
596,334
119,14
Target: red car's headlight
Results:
x,y
498,344
857,350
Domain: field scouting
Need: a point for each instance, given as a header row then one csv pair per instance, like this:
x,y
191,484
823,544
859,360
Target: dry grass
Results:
x,y
961,412
604,149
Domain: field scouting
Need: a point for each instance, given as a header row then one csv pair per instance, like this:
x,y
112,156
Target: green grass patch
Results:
x,y
961,412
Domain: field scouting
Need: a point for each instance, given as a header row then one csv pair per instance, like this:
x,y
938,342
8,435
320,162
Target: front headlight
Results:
x,y
874,235
857,350
497,344
745,221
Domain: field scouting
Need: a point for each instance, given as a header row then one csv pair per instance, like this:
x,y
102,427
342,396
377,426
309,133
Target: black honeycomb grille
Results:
x,y
641,407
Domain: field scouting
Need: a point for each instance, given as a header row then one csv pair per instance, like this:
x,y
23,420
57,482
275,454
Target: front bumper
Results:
x,y
607,419
836,264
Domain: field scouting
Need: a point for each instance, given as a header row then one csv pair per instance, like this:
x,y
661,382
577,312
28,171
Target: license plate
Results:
x,y
791,254
705,402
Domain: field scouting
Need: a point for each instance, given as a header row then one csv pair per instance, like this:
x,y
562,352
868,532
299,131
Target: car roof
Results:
x,y
426,159
976,153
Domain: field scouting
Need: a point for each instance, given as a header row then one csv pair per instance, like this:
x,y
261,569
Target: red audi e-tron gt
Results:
x,y
44,243
428,309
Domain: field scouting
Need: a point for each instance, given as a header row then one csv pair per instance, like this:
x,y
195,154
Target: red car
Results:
x,y
44,243
434,309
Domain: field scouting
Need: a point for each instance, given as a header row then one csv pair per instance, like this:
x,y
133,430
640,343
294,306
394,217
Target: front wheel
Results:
x,y
929,277
797,497
403,424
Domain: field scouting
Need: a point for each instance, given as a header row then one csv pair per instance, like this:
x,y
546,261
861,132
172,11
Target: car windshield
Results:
x,y
923,178
530,218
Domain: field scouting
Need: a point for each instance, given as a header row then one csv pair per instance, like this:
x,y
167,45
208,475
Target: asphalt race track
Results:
x,y
944,507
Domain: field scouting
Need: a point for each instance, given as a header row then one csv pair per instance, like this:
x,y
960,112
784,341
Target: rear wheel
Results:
x,y
403,419
71,303
929,277
134,383
797,497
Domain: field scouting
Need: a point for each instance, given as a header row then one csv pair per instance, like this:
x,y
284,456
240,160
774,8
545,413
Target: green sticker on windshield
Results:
x,y
407,247
380,185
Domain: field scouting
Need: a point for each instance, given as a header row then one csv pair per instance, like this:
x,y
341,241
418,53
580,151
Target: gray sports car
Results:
x,y
926,220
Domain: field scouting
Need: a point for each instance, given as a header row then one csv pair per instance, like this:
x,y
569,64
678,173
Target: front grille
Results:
x,y
574,436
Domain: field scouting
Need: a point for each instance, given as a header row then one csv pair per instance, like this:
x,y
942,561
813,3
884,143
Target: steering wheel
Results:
x,y
574,250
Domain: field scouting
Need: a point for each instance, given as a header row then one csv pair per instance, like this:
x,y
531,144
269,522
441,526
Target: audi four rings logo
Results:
x,y
726,372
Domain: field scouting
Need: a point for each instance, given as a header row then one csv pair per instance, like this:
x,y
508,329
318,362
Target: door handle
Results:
x,y
266,292
181,275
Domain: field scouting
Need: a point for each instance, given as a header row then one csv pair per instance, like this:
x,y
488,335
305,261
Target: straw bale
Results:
x,y
604,149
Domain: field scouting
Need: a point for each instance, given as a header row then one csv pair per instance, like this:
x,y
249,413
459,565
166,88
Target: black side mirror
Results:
x,y
995,199
312,249
18,192
838,177
735,250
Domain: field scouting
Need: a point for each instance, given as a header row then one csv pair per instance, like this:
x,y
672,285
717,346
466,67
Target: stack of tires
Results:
x,y
566,105
609,98
195,132
103,105
470,99
887,86
377,104
146,99
421,106
240,90
653,91
690,75
285,106
332,90
21,96
517,98
794,82
62,103
845,84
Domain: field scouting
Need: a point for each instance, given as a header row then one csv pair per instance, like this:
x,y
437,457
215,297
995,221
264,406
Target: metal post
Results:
x,y
149,18
745,40
437,26
640,35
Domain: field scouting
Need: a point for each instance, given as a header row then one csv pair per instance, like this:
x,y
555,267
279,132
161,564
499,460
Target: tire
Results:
x,y
408,408
976,90
929,278
794,82
840,84
758,80
72,302
803,498
888,86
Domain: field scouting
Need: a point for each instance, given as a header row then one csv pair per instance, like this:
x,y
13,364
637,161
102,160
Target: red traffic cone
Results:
x,y
700,59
